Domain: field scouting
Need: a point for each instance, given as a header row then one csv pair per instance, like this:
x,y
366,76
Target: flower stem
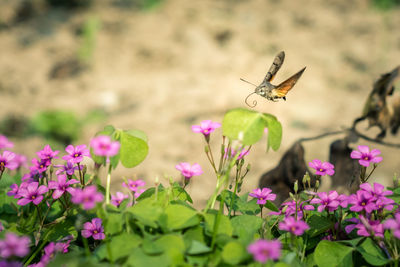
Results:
x,y
108,184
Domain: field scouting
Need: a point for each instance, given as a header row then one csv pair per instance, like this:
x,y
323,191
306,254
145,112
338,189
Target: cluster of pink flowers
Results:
x,y
51,250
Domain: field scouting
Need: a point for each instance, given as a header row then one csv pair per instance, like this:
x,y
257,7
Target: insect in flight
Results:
x,y
270,91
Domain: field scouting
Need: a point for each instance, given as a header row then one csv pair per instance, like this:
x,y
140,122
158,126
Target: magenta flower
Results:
x,y
206,127
13,245
40,166
7,161
232,153
133,185
4,143
47,153
94,229
32,193
188,171
20,160
362,200
13,191
87,197
365,156
263,195
330,201
103,146
264,250
69,168
62,185
325,168
394,224
117,199
296,227
369,227
377,192
76,154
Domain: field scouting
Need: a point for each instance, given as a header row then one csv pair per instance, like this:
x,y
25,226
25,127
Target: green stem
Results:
x,y
80,175
217,221
108,184
233,196
86,245
38,249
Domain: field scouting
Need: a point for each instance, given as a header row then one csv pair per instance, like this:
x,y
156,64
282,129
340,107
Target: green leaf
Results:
x,y
140,259
139,134
245,226
274,132
233,253
180,217
123,245
372,253
225,226
318,225
197,247
333,254
113,223
271,206
62,229
133,150
146,211
244,122
248,207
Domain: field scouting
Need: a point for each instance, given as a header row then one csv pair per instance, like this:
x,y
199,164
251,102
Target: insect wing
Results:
x,y
284,87
276,65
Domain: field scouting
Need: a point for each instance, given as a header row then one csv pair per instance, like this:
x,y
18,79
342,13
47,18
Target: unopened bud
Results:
x,y
316,185
206,149
306,177
296,186
248,167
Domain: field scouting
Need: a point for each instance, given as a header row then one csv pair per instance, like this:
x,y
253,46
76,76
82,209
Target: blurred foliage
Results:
x,y
140,4
58,125
69,3
89,33
385,4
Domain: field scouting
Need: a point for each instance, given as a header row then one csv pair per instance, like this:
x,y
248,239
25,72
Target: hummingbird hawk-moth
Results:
x,y
274,92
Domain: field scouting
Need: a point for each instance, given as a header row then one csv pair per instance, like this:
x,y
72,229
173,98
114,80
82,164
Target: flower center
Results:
x,y
321,170
33,197
366,157
76,155
363,203
95,231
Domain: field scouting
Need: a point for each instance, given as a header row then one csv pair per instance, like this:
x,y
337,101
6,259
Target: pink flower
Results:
x,y
94,229
68,168
206,127
330,201
263,195
47,153
51,249
40,166
103,146
139,192
296,227
369,227
7,161
325,168
61,185
365,156
32,193
394,224
232,153
13,245
13,191
134,185
264,250
188,171
4,143
87,197
117,199
362,200
76,154
20,160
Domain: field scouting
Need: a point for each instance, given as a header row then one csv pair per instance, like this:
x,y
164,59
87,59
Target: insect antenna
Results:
x,y
243,80
254,101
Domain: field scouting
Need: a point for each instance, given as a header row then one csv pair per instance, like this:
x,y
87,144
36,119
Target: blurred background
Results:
x,y
70,67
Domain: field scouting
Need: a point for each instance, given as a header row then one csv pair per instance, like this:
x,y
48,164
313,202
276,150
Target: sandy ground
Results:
x,y
165,69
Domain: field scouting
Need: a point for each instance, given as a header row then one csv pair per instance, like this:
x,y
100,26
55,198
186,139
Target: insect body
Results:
x,y
275,92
